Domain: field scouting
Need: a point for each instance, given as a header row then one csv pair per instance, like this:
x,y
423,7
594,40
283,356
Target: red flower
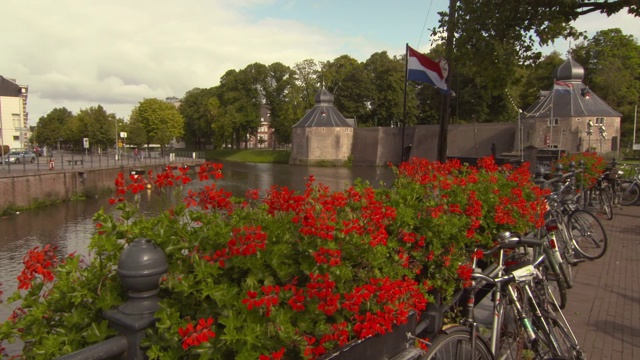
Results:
x,y
464,273
38,262
195,336
276,355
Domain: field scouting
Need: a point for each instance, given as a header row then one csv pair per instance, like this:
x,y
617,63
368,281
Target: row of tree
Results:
x,y
372,92
153,121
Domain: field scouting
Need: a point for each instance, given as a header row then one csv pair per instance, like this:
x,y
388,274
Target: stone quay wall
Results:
x,y
24,190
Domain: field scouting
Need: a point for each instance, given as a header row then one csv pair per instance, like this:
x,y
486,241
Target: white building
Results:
x,y
13,113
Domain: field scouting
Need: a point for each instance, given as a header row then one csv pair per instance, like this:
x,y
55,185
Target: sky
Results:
x,y
78,54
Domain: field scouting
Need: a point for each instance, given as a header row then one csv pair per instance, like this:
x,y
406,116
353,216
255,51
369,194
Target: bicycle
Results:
x,y
613,176
583,232
602,191
537,328
630,187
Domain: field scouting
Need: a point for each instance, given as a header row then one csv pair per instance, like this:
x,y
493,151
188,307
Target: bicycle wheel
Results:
x,y
555,282
456,345
560,241
617,195
606,201
630,192
555,339
588,234
512,338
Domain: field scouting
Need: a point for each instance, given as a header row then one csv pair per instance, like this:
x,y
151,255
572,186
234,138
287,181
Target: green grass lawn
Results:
x,y
256,156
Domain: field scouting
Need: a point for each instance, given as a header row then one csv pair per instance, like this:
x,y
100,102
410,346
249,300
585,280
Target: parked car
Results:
x,y
18,157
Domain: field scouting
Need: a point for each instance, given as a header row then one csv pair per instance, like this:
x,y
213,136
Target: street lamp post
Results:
x,y
603,136
589,133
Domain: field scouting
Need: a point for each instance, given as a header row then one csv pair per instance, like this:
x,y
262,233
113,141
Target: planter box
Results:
x,y
379,347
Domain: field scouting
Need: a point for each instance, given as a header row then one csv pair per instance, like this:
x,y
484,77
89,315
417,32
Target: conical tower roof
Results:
x,y
323,114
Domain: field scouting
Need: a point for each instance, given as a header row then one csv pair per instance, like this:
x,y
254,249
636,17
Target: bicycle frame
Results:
x,y
522,278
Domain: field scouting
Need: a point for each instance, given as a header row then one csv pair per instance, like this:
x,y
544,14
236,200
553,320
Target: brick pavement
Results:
x,y
604,305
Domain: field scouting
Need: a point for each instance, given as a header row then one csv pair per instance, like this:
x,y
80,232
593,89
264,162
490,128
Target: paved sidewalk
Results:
x,y
604,304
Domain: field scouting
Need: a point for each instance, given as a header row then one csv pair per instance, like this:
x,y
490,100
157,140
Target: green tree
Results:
x,y
350,84
49,127
387,100
276,89
240,97
136,134
160,120
71,132
97,125
537,78
199,108
612,70
308,79
511,35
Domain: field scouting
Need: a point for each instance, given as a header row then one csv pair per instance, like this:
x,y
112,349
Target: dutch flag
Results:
x,y
421,68
562,86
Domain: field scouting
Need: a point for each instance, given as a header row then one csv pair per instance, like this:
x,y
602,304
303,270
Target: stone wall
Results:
x,y
25,190
377,146
321,145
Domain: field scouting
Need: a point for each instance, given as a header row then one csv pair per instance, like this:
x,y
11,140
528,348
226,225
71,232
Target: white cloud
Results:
x,y
116,53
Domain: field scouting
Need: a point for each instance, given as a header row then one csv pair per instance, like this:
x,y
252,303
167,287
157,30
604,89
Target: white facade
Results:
x,y
13,115
12,122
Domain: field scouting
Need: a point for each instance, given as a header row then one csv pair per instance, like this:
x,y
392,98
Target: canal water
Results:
x,y
69,225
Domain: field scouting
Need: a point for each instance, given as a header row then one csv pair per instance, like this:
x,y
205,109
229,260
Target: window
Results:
x,y
553,122
16,121
599,121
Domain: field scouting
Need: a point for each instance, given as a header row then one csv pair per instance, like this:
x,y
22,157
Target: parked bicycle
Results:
x,y
528,323
630,186
602,193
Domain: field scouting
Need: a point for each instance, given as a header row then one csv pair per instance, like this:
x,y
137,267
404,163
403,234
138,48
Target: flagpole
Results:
x,y
443,133
553,91
635,120
404,111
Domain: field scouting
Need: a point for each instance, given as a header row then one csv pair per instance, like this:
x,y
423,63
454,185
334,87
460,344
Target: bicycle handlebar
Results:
x,y
509,240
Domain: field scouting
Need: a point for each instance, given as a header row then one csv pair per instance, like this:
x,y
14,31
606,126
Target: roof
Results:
x,y
569,97
9,87
323,114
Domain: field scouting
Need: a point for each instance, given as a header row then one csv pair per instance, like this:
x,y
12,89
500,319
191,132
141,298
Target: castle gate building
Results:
x,y
570,117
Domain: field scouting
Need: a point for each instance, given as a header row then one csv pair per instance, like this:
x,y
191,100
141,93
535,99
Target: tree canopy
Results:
x,y
49,127
160,120
612,70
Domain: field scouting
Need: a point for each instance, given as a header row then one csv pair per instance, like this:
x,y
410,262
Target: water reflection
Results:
x,y
69,225
239,177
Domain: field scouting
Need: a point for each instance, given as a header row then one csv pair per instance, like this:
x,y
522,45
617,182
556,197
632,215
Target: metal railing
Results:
x,y
131,319
63,160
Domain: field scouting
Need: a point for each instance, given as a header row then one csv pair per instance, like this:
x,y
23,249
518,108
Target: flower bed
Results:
x,y
277,274
591,164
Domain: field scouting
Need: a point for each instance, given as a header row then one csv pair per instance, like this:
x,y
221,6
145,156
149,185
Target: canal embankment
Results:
x,y
23,190
28,185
